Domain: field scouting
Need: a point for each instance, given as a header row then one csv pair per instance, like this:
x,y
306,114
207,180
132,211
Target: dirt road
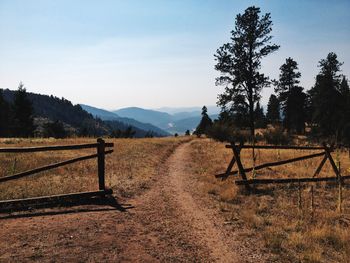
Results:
x,y
170,222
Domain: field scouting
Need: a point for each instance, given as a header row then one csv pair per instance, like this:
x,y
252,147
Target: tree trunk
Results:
x,y
251,118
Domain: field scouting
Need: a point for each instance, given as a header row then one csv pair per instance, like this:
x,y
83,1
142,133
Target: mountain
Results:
x,y
160,119
186,114
100,113
111,116
177,122
74,117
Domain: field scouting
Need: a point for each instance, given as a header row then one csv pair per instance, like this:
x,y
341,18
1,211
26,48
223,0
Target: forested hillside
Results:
x,y
50,114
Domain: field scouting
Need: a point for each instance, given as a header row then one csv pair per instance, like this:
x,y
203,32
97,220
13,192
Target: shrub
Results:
x,y
221,132
277,137
226,133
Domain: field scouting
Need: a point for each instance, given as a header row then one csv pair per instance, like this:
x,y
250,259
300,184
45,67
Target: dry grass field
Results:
x,y
128,170
273,216
270,218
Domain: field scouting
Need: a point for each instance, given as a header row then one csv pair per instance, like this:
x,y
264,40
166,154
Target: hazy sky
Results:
x,y
113,54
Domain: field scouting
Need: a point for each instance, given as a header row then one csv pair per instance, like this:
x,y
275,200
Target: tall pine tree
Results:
x,y
291,96
205,123
273,110
326,97
239,61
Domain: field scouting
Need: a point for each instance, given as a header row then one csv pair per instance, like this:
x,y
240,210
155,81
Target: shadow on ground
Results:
x,y
99,204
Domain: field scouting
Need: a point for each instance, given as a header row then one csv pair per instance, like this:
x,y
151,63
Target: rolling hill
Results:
x,y
160,119
111,116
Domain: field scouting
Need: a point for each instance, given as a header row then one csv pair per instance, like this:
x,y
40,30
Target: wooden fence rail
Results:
x,y
236,149
51,148
274,147
101,151
290,180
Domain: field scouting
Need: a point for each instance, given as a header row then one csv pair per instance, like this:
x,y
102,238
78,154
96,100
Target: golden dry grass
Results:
x,y
128,170
272,215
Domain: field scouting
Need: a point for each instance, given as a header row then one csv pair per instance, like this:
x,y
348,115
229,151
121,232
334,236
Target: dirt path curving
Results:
x,y
170,222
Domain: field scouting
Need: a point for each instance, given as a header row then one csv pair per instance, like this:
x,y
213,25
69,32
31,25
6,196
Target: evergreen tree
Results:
x,y
129,132
116,133
149,134
239,61
22,113
260,118
4,116
285,86
273,110
326,97
288,78
295,110
345,108
205,123
54,129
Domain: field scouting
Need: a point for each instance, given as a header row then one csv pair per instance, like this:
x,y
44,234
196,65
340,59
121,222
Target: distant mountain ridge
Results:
x,y
157,118
111,116
177,122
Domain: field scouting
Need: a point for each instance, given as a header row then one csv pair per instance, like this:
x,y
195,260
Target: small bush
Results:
x,y
221,132
226,133
277,137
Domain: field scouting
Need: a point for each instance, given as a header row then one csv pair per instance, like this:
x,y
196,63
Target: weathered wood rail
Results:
x,y
236,149
101,151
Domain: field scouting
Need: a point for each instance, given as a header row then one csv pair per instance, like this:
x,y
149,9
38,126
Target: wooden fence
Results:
x,y
101,151
325,152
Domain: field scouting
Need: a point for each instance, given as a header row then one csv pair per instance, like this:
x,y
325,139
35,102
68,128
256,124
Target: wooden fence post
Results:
x,y
340,190
329,156
312,201
299,197
230,166
236,152
101,163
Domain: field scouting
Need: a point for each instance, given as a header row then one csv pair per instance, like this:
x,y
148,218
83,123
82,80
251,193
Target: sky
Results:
x,y
152,54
